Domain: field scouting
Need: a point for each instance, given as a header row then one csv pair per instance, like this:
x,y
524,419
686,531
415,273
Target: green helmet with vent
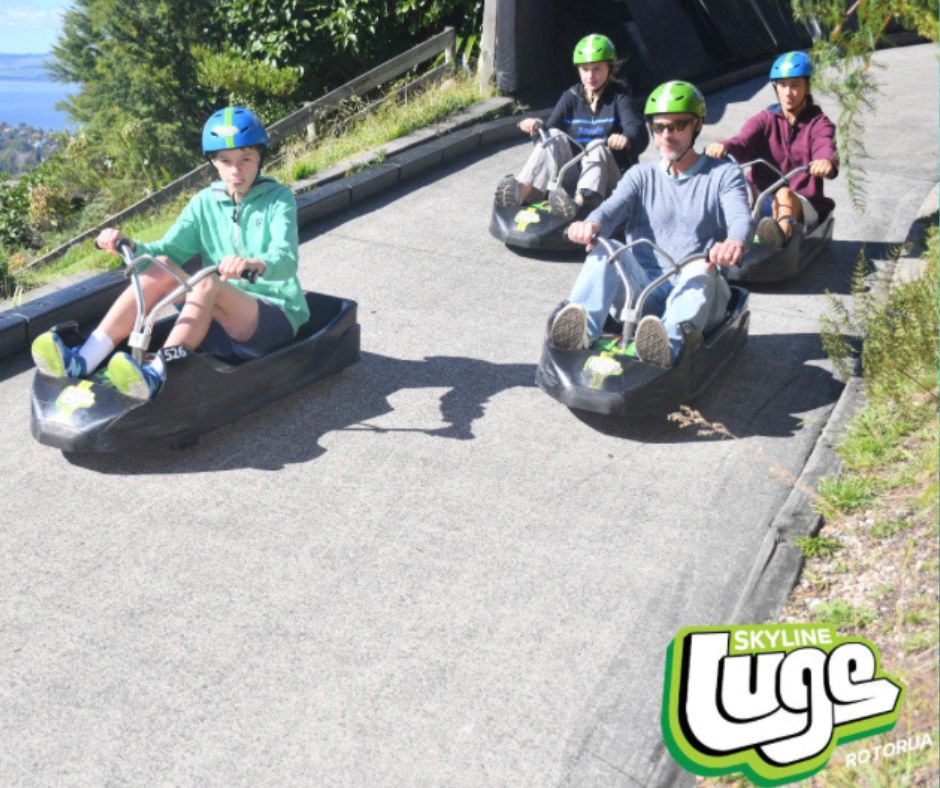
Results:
x,y
594,49
676,96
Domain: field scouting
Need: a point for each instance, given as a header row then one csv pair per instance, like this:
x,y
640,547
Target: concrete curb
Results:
x,y
82,301
778,562
912,266
330,192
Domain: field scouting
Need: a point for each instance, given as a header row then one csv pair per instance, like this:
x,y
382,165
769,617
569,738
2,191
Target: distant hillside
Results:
x,y
25,67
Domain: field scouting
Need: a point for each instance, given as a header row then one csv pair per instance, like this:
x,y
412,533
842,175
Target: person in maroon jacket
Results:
x,y
789,134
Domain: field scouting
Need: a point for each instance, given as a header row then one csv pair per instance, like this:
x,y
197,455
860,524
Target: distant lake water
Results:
x,y
33,101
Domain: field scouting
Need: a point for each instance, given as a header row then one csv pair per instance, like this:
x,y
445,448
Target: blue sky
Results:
x,y
30,27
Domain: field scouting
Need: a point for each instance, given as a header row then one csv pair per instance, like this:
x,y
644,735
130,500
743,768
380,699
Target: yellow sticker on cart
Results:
x,y
81,395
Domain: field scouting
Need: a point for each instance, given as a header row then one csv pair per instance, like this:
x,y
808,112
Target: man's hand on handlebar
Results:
x,y
530,125
727,252
583,233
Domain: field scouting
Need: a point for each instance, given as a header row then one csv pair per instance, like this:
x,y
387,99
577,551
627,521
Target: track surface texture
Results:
x,y
424,571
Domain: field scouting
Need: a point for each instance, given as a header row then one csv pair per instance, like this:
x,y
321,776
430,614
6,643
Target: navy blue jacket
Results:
x,y
616,114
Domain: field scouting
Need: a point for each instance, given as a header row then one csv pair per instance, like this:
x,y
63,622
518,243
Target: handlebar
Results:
x,y
782,179
630,315
124,247
139,339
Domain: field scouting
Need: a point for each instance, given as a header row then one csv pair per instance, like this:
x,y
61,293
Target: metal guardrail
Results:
x,y
278,131
378,76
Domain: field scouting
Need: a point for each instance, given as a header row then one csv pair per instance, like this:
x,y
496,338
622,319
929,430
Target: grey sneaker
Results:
x,y
508,193
562,204
570,328
652,341
769,232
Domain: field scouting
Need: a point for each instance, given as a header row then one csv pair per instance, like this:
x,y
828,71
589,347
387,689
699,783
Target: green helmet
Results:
x,y
593,49
676,96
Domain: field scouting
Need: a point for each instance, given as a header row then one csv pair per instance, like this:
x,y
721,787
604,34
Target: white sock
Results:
x,y
96,349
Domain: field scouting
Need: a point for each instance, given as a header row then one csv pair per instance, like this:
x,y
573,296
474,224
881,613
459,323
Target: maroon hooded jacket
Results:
x,y
768,136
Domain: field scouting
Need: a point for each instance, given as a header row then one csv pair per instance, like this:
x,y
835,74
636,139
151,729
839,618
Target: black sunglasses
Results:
x,y
673,125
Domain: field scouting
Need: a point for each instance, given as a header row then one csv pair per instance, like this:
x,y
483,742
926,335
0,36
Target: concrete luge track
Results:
x,y
423,571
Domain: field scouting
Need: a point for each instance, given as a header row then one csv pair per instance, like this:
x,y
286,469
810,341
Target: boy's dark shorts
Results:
x,y
274,330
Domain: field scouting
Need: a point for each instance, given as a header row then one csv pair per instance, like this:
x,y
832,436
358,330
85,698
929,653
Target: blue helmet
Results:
x,y
792,64
232,127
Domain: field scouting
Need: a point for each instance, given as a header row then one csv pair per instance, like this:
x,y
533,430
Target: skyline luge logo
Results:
x,y
771,701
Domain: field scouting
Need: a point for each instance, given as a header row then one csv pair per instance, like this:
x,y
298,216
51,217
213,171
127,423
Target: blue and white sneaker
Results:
x,y
140,381
54,358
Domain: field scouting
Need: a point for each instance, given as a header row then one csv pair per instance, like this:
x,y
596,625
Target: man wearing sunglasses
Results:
x,y
686,203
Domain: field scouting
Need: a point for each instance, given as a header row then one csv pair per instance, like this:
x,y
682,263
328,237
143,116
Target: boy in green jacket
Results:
x,y
242,222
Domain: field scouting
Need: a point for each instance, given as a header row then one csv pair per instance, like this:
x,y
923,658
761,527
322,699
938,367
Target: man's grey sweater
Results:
x,y
682,215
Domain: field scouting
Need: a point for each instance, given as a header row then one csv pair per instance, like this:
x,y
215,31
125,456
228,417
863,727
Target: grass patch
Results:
x,y
920,641
843,615
890,528
875,437
841,494
884,590
817,546
389,122
921,611
930,567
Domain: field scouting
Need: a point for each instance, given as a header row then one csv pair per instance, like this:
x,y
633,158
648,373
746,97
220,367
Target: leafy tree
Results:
x,y
254,83
140,101
850,37
332,41
150,71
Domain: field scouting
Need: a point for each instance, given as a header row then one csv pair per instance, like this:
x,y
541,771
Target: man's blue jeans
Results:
x,y
698,294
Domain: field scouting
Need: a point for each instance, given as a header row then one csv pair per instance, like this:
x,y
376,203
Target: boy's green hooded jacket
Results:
x,y
262,226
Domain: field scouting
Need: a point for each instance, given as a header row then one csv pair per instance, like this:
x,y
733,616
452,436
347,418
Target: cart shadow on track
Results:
x,y
289,431
773,379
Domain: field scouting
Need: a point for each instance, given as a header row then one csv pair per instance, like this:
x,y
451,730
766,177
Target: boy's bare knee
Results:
x,y
205,291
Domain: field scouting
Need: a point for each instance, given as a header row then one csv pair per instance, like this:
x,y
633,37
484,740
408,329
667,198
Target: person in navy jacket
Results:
x,y
597,108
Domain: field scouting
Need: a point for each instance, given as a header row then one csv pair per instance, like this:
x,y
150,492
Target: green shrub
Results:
x,y
14,214
897,330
